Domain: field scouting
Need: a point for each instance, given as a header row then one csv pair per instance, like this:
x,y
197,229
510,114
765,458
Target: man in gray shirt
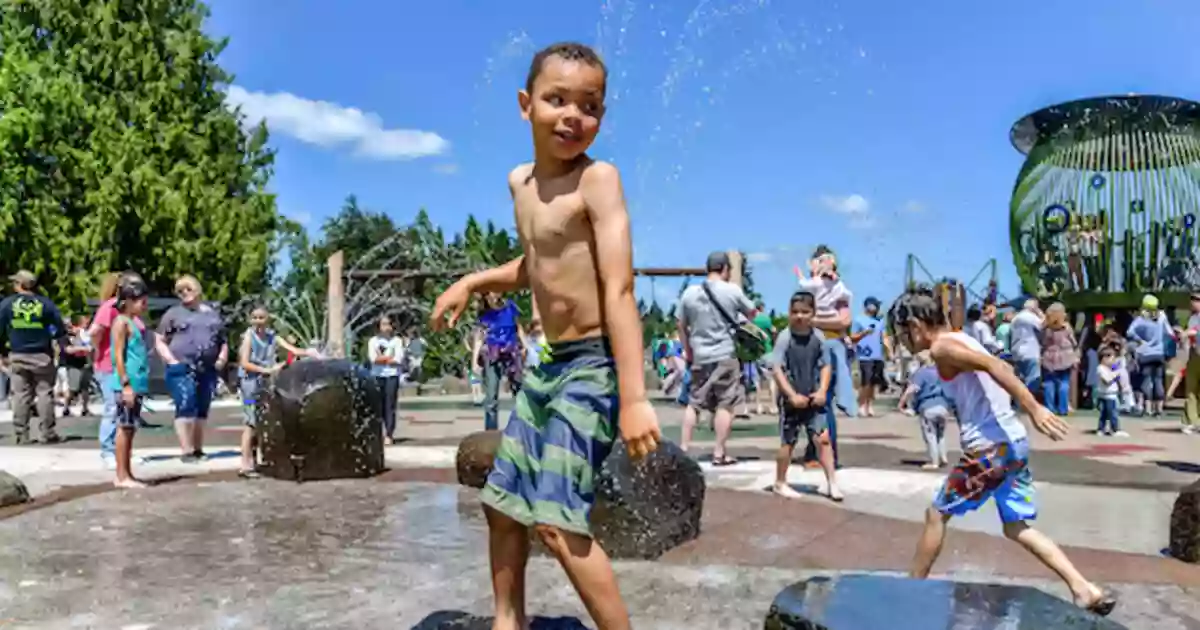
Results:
x,y
709,350
1025,341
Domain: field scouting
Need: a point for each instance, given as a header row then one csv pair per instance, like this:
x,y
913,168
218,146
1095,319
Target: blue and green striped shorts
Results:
x,y
560,431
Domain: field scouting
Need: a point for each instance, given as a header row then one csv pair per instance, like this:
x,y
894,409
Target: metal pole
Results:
x,y
336,337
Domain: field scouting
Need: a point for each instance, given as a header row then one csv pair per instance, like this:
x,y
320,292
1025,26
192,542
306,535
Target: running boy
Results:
x,y
802,370
574,230
995,462
258,358
130,378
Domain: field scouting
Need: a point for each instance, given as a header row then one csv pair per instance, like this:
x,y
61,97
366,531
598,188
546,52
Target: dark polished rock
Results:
x,y
1185,525
642,510
12,491
474,458
322,419
457,620
871,602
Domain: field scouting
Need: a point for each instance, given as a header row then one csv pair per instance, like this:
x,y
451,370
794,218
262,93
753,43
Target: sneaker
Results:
x,y
1187,429
53,438
190,458
1121,434
200,456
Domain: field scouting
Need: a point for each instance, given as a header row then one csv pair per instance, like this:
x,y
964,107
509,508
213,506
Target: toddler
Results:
x,y
925,394
1108,389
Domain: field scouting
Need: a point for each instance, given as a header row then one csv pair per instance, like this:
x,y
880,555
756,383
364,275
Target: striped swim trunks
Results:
x,y
560,431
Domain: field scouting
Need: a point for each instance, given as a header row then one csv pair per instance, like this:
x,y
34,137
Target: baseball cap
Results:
x,y
1150,303
24,279
717,261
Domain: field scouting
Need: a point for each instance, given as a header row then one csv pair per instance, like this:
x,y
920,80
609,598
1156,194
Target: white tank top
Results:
x,y
985,411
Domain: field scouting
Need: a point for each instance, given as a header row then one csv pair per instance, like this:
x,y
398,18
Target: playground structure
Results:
x,y
413,282
1104,208
982,288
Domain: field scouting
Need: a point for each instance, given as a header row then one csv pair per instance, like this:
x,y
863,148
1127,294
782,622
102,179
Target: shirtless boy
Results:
x,y
574,230
995,444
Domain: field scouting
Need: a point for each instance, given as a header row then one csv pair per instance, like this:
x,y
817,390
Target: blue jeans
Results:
x,y
1056,390
685,387
1108,416
192,389
1030,373
841,396
108,417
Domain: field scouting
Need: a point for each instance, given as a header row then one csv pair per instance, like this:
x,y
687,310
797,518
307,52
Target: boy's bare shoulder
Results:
x,y
600,185
519,175
598,173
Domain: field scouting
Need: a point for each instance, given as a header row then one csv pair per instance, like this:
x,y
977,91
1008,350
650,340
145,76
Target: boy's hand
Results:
x,y
127,395
799,401
639,429
1049,424
818,399
454,301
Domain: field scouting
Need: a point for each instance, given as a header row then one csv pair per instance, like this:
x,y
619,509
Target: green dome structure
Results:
x,y
1104,209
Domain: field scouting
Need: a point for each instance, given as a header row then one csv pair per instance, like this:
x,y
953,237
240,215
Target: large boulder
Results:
x,y
12,491
642,510
1185,525
322,420
875,602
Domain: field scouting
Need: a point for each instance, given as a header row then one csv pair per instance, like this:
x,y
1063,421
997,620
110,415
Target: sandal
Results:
x,y
249,474
724,460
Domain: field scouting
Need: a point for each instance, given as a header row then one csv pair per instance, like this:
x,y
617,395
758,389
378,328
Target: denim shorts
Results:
x,y
128,416
191,390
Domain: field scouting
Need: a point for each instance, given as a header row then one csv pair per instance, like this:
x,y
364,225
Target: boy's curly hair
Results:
x,y
920,303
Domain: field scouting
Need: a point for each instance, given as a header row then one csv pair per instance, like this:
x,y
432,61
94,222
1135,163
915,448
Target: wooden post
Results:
x,y
735,267
336,333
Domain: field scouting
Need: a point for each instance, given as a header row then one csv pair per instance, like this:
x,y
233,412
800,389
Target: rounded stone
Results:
x,y
1185,525
474,458
322,419
12,490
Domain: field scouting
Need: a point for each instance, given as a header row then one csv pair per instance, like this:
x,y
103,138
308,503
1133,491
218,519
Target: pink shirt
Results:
x,y
103,321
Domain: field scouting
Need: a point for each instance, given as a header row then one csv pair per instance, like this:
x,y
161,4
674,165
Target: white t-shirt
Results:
x,y
985,410
1024,337
830,295
385,347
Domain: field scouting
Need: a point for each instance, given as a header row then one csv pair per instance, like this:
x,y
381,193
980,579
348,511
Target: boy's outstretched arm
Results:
x,y
955,357
510,276
600,187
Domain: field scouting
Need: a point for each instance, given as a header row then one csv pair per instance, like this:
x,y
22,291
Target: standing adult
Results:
x,y
415,354
833,319
979,327
191,341
766,385
30,324
709,348
1025,339
1060,355
502,353
1148,332
871,346
1004,332
1191,412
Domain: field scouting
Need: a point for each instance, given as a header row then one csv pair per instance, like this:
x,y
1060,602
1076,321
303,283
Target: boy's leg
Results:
x,y
248,458
1086,594
590,572
789,433
929,545
816,422
508,552
941,438
930,433
491,394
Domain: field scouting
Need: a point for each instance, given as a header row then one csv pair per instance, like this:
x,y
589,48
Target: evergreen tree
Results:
x,y
117,151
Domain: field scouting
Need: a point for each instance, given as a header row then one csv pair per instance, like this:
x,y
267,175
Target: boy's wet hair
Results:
x,y
567,51
804,298
918,304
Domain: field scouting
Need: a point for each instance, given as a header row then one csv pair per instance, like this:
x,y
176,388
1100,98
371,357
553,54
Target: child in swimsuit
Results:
x,y
995,461
571,217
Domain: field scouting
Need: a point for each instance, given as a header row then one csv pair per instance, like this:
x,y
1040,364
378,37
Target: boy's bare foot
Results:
x,y
784,490
1097,601
128,484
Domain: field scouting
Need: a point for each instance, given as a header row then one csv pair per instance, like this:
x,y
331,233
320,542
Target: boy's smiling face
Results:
x,y
565,107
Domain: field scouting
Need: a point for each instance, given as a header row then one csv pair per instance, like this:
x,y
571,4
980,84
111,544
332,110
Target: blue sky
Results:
x,y
879,128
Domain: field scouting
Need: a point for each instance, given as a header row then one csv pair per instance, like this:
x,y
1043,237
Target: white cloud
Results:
x,y
329,125
849,204
913,206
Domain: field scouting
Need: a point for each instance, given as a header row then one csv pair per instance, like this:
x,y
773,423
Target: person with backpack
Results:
x,y
709,332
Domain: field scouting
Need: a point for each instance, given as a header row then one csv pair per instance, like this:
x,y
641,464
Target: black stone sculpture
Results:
x,y
642,510
458,620
1185,525
322,419
871,602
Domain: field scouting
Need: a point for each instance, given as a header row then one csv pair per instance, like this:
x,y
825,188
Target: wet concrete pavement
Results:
x,y
372,554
